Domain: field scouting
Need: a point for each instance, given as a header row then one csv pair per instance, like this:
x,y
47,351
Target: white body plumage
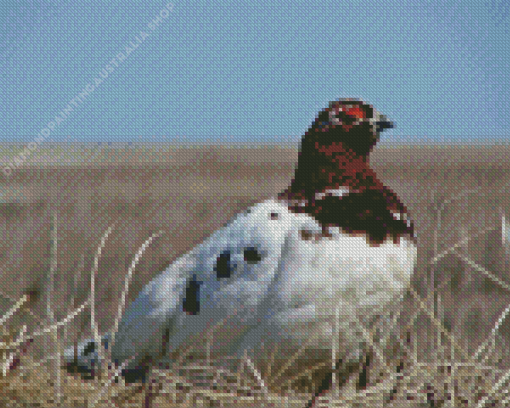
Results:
x,y
287,295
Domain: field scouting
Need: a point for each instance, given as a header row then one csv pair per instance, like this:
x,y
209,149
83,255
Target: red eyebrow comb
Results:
x,y
355,111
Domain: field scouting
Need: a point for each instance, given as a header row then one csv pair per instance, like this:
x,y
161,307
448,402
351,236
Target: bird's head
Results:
x,y
354,124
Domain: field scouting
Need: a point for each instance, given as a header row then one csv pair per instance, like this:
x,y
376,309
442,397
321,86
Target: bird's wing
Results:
x,y
224,278
143,325
235,269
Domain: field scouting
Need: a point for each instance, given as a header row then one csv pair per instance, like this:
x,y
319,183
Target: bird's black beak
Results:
x,y
383,123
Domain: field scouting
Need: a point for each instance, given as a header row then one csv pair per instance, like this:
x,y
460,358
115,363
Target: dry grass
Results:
x,y
419,358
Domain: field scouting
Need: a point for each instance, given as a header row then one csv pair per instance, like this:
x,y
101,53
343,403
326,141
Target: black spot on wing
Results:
x,y
224,267
191,303
252,256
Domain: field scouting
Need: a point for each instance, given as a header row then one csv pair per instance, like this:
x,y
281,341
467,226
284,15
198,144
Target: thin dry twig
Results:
x,y
127,282
481,269
93,274
66,320
13,310
492,335
462,242
438,324
112,378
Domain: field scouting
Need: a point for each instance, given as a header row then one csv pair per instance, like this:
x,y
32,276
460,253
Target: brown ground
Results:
x,y
188,192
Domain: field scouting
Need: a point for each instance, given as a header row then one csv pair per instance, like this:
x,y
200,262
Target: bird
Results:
x,y
290,274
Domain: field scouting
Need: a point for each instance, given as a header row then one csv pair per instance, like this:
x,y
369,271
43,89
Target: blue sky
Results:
x,y
230,71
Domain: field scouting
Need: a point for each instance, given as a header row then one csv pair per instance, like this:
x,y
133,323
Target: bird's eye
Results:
x,y
251,256
348,115
224,266
347,118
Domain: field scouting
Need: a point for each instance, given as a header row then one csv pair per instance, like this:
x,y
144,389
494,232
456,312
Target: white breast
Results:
x,y
325,285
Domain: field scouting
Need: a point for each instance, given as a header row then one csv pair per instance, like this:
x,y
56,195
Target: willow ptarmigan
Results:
x,y
287,273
